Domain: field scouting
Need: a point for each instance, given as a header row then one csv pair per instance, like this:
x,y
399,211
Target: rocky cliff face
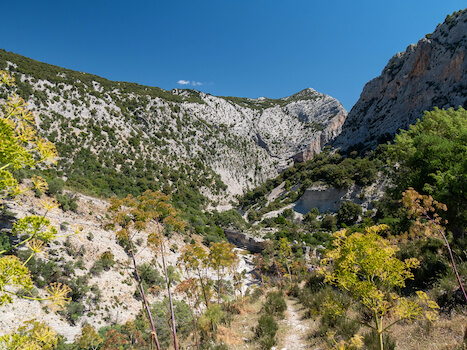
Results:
x,y
432,73
240,141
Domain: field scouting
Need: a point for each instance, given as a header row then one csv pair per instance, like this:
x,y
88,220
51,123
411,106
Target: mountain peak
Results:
x,y
305,94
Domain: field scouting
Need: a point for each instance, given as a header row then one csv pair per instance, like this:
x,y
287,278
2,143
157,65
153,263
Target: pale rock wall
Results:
x,y
432,73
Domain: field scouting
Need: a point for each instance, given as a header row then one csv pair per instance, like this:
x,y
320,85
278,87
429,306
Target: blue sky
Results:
x,y
244,48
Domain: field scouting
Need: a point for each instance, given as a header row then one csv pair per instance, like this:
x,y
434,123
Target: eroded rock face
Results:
x,y
243,141
243,240
329,199
330,133
431,73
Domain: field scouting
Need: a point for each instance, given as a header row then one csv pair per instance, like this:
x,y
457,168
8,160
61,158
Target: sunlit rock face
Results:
x,y
242,141
431,73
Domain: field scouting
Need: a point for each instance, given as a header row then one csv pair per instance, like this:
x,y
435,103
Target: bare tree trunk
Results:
x,y
447,245
196,328
218,287
203,287
174,332
141,290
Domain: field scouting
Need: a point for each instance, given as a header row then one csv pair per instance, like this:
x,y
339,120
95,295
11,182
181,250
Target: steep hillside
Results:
x,y
132,137
431,73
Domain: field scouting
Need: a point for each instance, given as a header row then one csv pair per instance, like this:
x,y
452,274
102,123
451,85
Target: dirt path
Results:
x,y
296,328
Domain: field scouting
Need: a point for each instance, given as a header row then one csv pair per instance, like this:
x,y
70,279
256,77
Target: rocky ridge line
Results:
x,y
244,141
431,73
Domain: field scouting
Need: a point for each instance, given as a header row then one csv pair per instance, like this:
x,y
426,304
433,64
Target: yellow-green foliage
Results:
x,y
20,146
32,335
89,338
365,264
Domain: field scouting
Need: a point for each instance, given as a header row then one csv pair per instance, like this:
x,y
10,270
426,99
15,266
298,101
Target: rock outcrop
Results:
x,y
245,241
329,199
432,73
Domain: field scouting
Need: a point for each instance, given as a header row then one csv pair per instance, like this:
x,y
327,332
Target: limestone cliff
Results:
x,y
182,135
431,73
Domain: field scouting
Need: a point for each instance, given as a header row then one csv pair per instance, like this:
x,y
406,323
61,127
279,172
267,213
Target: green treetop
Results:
x,y
430,157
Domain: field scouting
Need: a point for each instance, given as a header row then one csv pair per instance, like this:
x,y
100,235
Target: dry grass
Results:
x,y
239,334
229,336
445,334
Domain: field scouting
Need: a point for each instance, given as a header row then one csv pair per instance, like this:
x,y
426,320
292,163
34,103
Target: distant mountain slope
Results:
x,y
165,138
432,73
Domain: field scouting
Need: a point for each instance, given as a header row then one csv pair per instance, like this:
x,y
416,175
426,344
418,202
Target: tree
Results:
x,y
285,252
21,147
145,213
365,265
348,213
430,157
32,335
220,257
89,338
195,258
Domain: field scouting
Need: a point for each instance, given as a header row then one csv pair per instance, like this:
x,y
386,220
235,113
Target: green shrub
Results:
x,y
311,215
212,238
150,276
275,304
212,317
4,241
67,202
344,329
73,312
55,186
257,293
329,223
348,213
265,331
105,263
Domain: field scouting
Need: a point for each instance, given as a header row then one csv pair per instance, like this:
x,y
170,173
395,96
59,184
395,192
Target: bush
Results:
x,y
257,293
266,331
73,312
55,186
212,317
212,238
4,241
150,277
295,290
311,215
348,213
329,223
344,329
275,304
433,264
105,263
67,202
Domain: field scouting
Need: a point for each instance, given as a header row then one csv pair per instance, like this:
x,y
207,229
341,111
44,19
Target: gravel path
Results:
x,y
297,327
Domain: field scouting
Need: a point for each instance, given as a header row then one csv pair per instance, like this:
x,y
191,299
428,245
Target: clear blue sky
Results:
x,y
244,48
